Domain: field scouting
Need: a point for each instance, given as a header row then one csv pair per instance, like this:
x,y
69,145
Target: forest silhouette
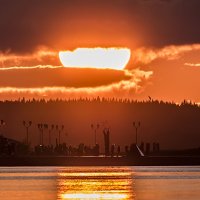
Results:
x,y
174,126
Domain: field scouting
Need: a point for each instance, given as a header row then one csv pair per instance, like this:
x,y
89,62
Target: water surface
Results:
x,y
122,183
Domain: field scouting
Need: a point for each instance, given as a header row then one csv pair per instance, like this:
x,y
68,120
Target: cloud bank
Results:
x,y
168,73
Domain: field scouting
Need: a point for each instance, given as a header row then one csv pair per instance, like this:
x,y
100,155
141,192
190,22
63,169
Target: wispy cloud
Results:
x,y
42,56
49,58
147,55
30,67
193,64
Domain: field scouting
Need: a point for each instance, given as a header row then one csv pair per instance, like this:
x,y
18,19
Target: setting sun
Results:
x,y
102,58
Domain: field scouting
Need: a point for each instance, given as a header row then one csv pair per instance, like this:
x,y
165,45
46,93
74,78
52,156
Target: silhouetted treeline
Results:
x,y
101,100
174,126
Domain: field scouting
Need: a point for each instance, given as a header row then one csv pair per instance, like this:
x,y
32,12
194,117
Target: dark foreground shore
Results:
x,y
98,161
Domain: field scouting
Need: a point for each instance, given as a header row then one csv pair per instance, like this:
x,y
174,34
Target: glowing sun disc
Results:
x,y
102,58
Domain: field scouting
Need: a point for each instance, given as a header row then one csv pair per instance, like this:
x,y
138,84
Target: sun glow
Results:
x,y
101,58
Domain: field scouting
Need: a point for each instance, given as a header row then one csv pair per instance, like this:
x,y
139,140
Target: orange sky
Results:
x,y
170,73
165,48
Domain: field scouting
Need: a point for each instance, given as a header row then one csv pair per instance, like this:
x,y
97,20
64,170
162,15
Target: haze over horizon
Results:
x,y
173,126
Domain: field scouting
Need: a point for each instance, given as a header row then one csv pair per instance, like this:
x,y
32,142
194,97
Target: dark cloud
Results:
x,y
63,24
59,77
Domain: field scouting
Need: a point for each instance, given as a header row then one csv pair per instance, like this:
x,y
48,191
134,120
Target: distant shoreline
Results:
x,y
100,161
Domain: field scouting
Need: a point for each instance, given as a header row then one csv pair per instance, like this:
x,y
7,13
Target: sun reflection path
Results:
x,y
95,196
101,58
95,184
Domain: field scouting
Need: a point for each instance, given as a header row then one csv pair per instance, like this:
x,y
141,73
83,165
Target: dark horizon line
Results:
x,y
98,99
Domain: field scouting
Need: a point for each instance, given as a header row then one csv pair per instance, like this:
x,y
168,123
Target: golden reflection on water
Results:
x,y
86,183
94,196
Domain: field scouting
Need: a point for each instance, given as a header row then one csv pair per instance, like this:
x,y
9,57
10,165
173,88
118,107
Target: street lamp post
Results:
x,y
136,125
45,127
50,129
27,125
59,132
40,127
95,127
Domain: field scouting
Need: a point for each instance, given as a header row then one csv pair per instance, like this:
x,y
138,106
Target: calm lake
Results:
x,y
60,183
